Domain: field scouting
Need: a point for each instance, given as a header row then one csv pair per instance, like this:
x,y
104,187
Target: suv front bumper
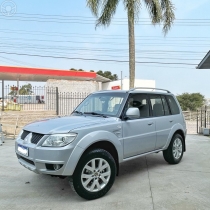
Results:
x,y
42,160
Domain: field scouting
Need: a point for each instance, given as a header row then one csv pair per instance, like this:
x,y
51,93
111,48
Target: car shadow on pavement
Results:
x,y
54,187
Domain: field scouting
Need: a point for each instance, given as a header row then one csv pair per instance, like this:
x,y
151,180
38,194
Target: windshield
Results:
x,y
104,104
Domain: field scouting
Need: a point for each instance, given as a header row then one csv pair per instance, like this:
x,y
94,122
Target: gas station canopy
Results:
x,y
42,75
205,63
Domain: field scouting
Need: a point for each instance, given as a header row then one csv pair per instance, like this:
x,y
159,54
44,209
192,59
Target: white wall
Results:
x,y
125,82
74,86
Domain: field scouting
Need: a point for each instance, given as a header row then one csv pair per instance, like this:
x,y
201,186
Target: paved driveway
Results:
x,y
145,183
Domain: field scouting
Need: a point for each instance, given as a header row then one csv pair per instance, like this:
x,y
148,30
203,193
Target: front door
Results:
x,y
139,135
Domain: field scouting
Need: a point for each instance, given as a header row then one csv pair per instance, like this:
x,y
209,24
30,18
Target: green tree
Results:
x,y
108,75
191,101
26,89
161,11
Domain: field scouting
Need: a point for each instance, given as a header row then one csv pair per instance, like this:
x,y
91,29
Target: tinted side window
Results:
x,y
165,105
139,101
173,105
157,106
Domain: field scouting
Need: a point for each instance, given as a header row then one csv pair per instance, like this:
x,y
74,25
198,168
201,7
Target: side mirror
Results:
x,y
133,113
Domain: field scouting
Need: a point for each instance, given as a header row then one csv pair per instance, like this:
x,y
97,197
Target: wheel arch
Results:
x,y
108,146
180,132
176,129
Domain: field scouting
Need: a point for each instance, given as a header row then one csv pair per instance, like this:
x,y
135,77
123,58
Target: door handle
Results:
x,y
171,121
150,123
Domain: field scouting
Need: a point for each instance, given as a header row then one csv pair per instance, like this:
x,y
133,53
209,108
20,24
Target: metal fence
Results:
x,y
197,120
67,102
28,98
203,118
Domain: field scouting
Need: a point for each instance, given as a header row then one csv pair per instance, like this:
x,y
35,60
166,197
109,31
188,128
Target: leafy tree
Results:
x,y
191,101
159,10
24,90
92,71
108,75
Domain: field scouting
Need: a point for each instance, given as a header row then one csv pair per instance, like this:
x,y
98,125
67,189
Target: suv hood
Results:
x,y
64,124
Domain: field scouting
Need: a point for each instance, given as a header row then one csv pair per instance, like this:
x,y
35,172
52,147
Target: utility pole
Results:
x,y
2,95
121,82
18,86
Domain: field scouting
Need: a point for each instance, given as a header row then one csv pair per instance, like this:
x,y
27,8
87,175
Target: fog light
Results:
x,y
56,166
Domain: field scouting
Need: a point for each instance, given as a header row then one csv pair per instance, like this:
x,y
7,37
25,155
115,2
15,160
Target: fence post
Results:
x,y
57,102
201,117
197,121
2,95
1,135
205,118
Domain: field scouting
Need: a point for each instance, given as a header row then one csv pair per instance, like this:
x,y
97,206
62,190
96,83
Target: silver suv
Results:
x,y
106,129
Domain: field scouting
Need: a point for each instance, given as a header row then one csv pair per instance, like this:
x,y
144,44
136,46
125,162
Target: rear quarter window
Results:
x,y
173,105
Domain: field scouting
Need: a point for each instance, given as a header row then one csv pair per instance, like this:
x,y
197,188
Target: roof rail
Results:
x,y
149,88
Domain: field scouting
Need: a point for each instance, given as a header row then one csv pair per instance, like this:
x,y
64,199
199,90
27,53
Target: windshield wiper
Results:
x,y
95,113
77,112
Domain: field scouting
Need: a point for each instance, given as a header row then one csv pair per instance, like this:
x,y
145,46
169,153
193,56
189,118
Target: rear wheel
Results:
x,y
174,153
95,174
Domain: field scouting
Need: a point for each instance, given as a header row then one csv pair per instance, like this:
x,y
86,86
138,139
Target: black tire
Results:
x,y
85,159
169,155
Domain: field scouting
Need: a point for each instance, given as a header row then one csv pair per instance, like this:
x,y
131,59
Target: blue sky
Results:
x,y
67,29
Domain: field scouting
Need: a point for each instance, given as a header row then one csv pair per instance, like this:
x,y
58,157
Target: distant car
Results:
x,y
106,129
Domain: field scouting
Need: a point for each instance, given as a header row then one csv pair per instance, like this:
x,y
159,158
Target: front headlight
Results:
x,y
59,140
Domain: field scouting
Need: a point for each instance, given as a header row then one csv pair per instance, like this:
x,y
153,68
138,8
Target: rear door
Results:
x,y
162,118
139,135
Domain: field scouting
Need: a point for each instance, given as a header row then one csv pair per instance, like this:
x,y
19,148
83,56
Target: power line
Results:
x,y
91,59
85,18
110,50
102,43
52,50
70,16
18,18
20,62
115,56
114,36
105,49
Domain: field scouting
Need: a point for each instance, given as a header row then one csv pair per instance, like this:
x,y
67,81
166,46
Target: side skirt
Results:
x,y
133,157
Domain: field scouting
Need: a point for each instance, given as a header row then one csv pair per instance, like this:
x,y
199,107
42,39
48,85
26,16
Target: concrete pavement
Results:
x,y
146,183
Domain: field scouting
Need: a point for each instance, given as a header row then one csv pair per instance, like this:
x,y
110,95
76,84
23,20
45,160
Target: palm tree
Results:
x,y
161,11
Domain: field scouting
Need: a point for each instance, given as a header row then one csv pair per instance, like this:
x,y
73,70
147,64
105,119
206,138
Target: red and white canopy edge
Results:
x,y
14,73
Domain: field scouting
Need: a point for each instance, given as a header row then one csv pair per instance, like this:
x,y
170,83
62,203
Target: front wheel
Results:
x,y
95,174
174,153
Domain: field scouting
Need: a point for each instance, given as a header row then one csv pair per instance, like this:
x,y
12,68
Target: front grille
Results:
x,y
28,161
35,136
24,134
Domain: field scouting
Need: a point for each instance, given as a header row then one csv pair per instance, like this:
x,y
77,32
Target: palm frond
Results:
x,y
108,9
94,6
155,10
133,7
168,16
